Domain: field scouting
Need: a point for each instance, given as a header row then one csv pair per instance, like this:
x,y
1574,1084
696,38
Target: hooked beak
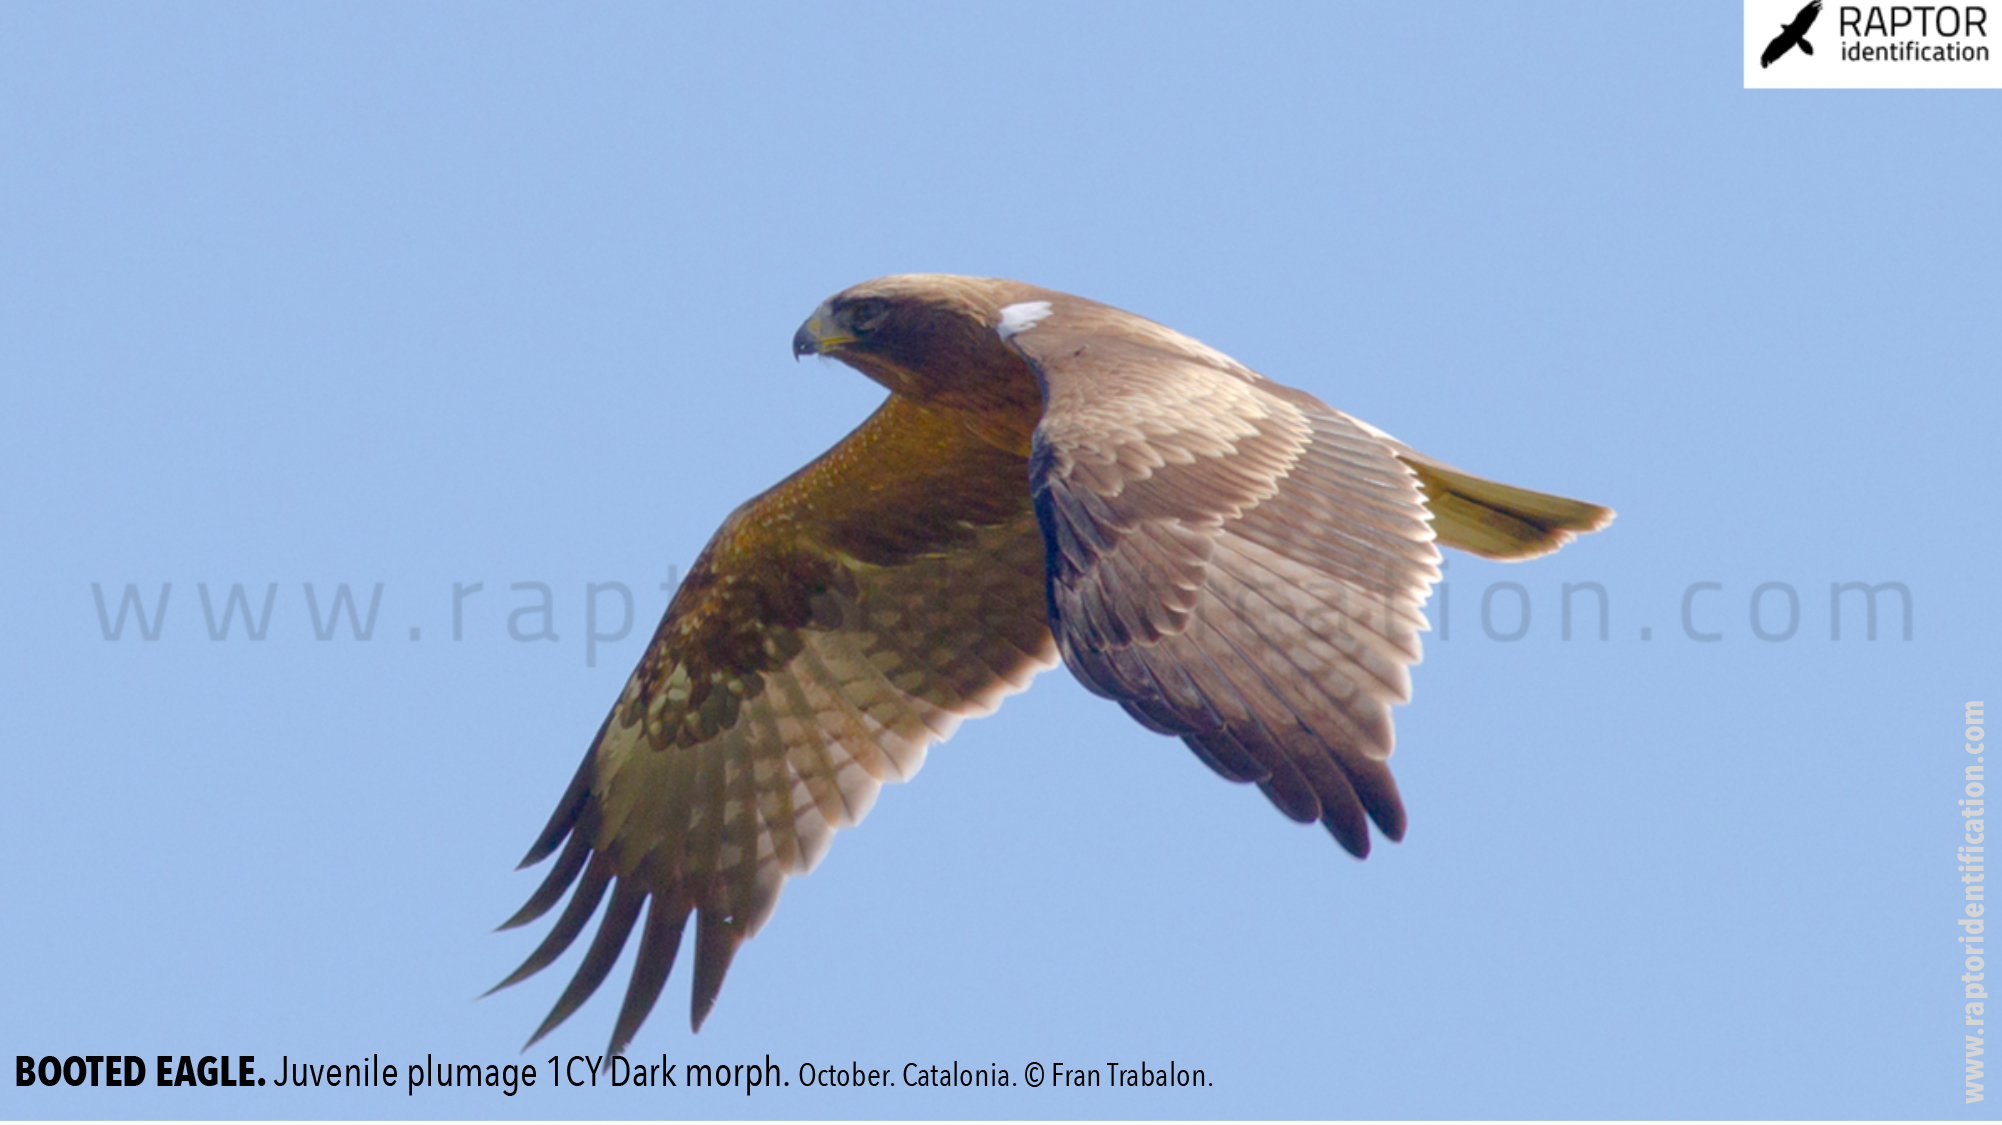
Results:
x,y
819,335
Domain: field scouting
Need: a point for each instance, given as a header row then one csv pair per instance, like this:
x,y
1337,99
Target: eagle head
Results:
x,y
934,338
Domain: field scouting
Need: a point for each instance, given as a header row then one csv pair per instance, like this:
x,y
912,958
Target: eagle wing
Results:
x,y
1233,561
834,628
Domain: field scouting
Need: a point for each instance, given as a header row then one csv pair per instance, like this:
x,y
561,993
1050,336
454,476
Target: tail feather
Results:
x,y
1499,521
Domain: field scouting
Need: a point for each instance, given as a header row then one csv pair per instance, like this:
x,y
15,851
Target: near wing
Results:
x,y
1233,561
833,629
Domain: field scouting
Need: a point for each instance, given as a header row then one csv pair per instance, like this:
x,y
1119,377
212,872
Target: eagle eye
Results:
x,y
866,314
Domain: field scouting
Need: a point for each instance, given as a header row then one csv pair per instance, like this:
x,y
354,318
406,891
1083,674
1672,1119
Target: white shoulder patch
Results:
x,y
1021,317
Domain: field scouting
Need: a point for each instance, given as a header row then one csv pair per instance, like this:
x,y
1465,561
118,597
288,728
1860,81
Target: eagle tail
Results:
x,y
1806,47
1499,521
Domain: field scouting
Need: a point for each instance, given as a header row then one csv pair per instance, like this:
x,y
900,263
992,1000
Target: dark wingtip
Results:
x,y
569,808
1353,841
613,929
571,923
1378,791
716,943
559,879
659,942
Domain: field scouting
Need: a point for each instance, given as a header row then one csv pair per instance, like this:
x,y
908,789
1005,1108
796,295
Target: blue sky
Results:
x,y
448,294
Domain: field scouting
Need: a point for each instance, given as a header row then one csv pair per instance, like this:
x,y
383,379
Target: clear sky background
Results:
x,y
424,295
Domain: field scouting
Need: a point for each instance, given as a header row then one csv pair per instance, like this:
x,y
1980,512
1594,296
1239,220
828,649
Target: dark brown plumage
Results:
x,y
1233,561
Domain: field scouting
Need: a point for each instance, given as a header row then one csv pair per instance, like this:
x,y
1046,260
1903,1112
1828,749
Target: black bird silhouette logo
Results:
x,y
1792,35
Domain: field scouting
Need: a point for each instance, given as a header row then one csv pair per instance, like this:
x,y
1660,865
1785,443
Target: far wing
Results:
x,y
1233,561
833,629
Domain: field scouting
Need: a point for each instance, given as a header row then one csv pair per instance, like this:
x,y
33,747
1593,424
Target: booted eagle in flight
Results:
x,y
1235,562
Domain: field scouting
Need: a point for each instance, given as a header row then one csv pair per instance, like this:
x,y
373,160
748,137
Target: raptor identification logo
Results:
x,y
1817,44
